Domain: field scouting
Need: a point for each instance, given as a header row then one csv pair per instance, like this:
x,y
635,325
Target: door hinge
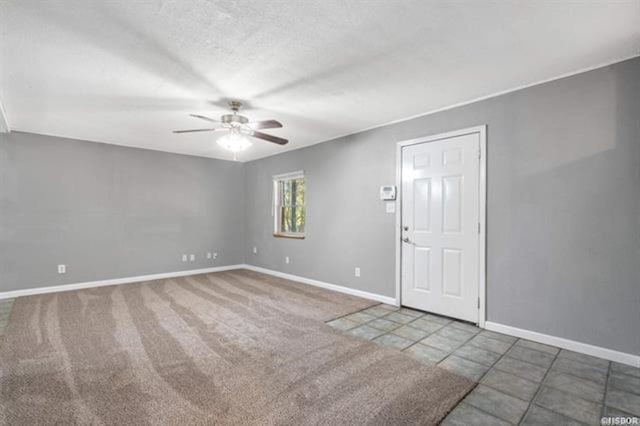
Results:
x,y
479,154
478,303
478,227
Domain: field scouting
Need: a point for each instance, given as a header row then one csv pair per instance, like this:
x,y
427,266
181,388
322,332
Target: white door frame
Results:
x,y
482,270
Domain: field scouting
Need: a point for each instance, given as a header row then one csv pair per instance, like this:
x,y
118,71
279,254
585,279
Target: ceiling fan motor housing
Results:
x,y
235,105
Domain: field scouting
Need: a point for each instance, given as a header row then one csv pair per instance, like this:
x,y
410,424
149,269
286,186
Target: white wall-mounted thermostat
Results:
x,y
388,192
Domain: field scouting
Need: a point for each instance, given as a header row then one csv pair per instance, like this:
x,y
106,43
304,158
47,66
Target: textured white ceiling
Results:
x,y
128,72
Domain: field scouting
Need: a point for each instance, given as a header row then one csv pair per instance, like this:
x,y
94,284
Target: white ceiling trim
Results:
x,y
4,122
461,104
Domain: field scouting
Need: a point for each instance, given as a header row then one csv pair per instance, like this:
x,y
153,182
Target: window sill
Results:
x,y
294,236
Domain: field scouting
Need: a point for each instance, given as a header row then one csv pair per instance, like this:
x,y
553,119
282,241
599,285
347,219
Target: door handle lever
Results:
x,y
408,241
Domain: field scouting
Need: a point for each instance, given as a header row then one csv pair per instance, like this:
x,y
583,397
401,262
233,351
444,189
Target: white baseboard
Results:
x,y
572,345
328,286
127,280
116,281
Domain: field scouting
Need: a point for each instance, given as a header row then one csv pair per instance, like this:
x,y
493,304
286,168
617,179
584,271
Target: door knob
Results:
x,y
406,228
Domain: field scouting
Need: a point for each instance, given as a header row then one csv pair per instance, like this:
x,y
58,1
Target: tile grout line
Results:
x,y
542,383
407,324
375,318
479,383
428,335
497,361
397,310
418,341
458,347
367,322
567,373
355,312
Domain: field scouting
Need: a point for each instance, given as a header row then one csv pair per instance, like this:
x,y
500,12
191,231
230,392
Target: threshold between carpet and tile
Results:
x,y
235,347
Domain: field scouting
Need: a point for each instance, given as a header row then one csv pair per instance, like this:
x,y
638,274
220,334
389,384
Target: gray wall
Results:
x,y
109,212
563,206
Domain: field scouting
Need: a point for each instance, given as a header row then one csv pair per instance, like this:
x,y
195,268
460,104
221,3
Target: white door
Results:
x,y
440,226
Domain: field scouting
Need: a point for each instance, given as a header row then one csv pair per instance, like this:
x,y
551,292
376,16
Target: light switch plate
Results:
x,y
391,207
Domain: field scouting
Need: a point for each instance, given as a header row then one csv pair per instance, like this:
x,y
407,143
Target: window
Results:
x,y
288,195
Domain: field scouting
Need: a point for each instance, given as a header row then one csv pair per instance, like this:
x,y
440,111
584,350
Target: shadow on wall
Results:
x,y
544,146
577,219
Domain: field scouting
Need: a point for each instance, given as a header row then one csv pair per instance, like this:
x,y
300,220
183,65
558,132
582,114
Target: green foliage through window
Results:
x,y
291,194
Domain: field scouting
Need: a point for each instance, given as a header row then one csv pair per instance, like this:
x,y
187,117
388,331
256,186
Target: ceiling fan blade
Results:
x,y
267,124
202,117
269,138
200,130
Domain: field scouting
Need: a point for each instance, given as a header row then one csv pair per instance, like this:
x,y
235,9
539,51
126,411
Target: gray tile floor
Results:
x,y
520,382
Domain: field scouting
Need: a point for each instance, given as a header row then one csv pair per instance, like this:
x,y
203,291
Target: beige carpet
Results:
x,y
234,347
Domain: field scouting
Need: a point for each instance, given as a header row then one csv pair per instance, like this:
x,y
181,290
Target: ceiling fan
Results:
x,y
237,127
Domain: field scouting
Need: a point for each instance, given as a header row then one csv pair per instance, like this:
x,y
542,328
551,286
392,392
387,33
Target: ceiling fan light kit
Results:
x,y
238,128
234,141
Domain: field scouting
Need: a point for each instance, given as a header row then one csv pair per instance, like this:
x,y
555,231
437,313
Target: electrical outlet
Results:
x,y
192,257
215,255
62,269
287,260
184,257
255,250
357,272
